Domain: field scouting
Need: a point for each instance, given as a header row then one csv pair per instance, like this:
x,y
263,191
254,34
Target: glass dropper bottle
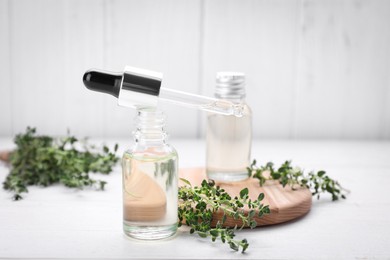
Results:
x,y
140,88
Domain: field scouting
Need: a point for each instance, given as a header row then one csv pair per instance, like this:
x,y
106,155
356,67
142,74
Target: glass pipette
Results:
x,y
139,88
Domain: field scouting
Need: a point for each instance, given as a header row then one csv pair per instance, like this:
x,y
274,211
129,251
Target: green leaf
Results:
x,y
321,173
202,234
224,218
185,181
253,163
276,175
233,246
244,246
214,233
244,193
260,197
253,224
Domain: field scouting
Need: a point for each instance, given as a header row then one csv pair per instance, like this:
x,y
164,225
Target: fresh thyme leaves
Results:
x,y
317,182
43,160
198,204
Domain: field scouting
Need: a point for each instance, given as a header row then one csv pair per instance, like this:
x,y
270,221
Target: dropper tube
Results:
x,y
209,104
139,88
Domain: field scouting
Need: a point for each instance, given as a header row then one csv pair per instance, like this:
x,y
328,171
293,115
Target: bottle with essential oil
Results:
x,y
228,137
150,181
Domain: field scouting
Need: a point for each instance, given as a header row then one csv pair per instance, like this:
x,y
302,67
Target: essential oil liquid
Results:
x,y
228,146
150,194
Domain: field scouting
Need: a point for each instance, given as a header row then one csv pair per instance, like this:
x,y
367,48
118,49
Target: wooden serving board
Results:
x,y
285,204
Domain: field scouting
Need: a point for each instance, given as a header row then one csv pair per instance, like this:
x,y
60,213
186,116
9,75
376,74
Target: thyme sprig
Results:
x,y
43,160
286,174
198,204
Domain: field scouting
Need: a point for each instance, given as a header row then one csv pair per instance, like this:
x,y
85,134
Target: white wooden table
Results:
x,y
57,222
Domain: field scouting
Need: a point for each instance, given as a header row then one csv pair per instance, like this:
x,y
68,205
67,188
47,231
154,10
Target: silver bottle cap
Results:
x,y
230,85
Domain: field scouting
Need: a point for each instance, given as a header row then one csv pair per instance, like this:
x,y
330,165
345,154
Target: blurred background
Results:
x,y
315,68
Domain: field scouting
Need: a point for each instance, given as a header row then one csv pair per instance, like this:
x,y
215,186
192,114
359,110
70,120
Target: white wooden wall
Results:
x,y
315,68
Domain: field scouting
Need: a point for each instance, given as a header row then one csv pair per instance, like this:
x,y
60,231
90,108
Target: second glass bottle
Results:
x,y
229,138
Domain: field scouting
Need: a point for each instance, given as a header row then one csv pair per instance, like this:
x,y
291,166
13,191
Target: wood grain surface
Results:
x,y
285,204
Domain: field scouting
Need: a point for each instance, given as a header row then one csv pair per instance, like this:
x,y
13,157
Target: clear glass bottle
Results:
x,y
229,138
150,181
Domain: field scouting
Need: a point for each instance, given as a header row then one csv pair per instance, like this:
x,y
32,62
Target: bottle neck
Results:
x,y
150,127
234,99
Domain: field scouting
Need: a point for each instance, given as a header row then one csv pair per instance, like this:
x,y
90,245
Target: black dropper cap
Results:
x,y
105,82
132,80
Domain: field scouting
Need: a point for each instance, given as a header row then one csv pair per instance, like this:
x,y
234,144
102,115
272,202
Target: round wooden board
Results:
x,y
285,204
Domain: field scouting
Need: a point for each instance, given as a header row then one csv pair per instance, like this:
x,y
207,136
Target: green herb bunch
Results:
x,y
317,182
198,204
43,160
